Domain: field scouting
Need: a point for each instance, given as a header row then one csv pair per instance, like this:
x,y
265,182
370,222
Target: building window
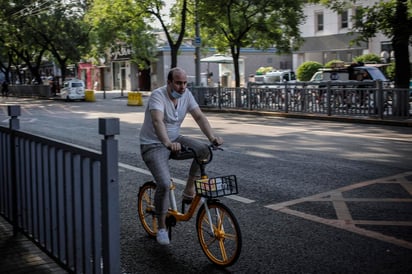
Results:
x,y
357,16
344,19
319,21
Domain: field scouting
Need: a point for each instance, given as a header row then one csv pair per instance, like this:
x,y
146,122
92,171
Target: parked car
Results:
x,y
275,77
352,73
272,87
72,90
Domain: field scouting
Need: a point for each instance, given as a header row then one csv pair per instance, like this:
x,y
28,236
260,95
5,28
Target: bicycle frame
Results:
x,y
183,217
197,200
180,216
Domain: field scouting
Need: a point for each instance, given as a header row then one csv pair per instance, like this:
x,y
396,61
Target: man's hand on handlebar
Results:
x,y
175,147
217,141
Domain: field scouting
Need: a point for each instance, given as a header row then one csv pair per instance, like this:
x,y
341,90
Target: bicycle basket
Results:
x,y
217,186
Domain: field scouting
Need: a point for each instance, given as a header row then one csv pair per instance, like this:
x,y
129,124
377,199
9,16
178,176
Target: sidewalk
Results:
x,y
20,255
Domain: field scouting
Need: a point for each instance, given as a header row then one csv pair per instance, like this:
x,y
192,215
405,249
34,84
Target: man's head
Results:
x,y
176,81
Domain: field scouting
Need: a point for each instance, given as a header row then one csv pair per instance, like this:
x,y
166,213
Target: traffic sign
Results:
x,y
197,42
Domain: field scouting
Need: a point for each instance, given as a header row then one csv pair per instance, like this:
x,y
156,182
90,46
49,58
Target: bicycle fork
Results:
x,y
209,216
172,197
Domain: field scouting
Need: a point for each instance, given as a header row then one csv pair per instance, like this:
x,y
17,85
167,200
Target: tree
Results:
x,y
32,29
20,44
5,63
62,32
261,24
306,70
174,32
368,58
119,22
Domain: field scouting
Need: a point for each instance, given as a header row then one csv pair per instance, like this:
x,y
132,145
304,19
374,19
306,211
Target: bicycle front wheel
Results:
x,y
146,208
219,236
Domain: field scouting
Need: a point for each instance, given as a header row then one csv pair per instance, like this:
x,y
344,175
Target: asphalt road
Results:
x,y
314,196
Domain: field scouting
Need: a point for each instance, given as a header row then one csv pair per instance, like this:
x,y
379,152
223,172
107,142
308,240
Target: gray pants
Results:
x,y
156,158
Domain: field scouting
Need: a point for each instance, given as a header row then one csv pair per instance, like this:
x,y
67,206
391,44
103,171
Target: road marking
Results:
x,y
23,120
140,170
344,218
182,182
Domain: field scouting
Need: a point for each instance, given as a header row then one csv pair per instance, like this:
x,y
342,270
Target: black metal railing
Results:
x,y
349,98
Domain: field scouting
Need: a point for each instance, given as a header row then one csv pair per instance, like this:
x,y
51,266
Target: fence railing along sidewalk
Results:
x,y
352,98
64,198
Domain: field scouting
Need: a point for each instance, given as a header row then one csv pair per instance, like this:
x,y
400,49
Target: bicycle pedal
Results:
x,y
170,221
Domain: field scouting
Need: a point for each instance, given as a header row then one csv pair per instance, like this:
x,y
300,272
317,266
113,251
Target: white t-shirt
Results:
x,y
173,116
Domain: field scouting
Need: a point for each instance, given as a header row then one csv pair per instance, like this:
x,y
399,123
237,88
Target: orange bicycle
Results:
x,y
217,229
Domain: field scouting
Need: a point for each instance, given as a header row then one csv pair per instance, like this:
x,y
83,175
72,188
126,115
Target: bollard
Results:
x,y
89,95
134,99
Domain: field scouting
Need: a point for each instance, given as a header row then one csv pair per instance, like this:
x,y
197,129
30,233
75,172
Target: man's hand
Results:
x,y
174,147
217,141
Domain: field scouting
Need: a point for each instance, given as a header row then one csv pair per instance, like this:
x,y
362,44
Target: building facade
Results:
x,y
214,73
119,72
327,36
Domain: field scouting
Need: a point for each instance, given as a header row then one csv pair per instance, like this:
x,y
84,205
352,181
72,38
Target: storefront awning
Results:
x,y
217,58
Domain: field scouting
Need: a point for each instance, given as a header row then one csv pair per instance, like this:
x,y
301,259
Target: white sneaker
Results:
x,y
162,237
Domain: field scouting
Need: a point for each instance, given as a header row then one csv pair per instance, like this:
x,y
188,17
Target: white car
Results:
x,y
72,90
276,77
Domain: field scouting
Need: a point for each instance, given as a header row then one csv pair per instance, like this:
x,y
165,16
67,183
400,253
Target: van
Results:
x,y
275,77
72,90
351,73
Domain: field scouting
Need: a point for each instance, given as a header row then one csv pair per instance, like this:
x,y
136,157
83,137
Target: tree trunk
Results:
x,y
174,48
235,50
400,43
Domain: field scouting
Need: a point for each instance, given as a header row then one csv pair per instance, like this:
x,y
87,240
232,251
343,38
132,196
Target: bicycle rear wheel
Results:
x,y
223,244
146,208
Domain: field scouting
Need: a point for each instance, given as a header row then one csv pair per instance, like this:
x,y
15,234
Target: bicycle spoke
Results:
x,y
146,208
223,249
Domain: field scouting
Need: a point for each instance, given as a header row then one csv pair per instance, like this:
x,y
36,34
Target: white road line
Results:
x,y
140,170
23,120
343,217
342,224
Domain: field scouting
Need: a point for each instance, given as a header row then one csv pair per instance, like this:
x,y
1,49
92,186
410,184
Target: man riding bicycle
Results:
x,y
160,136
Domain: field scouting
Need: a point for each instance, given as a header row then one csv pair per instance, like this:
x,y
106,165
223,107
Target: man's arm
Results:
x,y
161,132
204,125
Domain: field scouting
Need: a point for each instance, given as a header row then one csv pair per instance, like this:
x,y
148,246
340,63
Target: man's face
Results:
x,y
179,82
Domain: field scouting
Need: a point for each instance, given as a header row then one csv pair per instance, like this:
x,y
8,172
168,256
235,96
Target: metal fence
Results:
x,y
350,98
65,199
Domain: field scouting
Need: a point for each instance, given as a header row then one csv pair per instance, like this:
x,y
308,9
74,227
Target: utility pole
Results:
x,y
197,45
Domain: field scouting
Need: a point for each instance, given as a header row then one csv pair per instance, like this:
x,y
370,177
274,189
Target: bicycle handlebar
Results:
x,y
189,153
